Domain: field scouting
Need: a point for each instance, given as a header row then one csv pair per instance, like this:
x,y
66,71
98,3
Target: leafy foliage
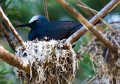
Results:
x,y
6,74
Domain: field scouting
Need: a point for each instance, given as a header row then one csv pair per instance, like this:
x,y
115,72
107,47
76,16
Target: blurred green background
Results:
x,y
20,11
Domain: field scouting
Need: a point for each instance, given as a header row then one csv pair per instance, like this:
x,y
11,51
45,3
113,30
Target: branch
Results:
x,y
11,43
94,20
94,12
10,26
93,29
13,60
45,9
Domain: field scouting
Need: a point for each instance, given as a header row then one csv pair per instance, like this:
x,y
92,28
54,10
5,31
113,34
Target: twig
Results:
x,y
10,26
86,7
13,60
94,20
11,43
82,9
94,12
83,5
88,82
45,9
93,29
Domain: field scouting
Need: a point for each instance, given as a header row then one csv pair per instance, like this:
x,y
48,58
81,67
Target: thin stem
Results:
x,y
10,26
94,12
46,10
11,43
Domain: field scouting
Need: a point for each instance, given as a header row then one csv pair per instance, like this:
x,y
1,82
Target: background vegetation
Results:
x,y
20,11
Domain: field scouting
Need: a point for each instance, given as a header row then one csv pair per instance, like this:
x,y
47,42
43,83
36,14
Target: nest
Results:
x,y
49,62
107,62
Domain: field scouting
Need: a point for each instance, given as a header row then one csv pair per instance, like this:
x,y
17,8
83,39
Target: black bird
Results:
x,y
41,27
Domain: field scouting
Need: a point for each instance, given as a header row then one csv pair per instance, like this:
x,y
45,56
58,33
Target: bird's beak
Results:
x,y
24,25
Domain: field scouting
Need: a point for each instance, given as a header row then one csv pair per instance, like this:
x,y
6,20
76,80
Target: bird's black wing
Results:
x,y
59,29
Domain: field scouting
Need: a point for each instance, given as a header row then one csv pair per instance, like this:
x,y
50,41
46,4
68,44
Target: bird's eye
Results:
x,y
35,21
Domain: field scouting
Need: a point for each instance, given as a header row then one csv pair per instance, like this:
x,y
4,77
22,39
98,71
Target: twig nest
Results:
x,y
107,62
49,62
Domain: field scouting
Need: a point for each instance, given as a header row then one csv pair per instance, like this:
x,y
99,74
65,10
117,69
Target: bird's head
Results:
x,y
35,21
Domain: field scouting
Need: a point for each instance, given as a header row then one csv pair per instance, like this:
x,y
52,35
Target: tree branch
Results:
x,y
10,26
45,9
13,60
94,12
11,43
94,20
93,29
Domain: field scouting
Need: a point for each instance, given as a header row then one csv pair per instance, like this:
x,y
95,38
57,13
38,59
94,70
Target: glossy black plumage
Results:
x,y
41,27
